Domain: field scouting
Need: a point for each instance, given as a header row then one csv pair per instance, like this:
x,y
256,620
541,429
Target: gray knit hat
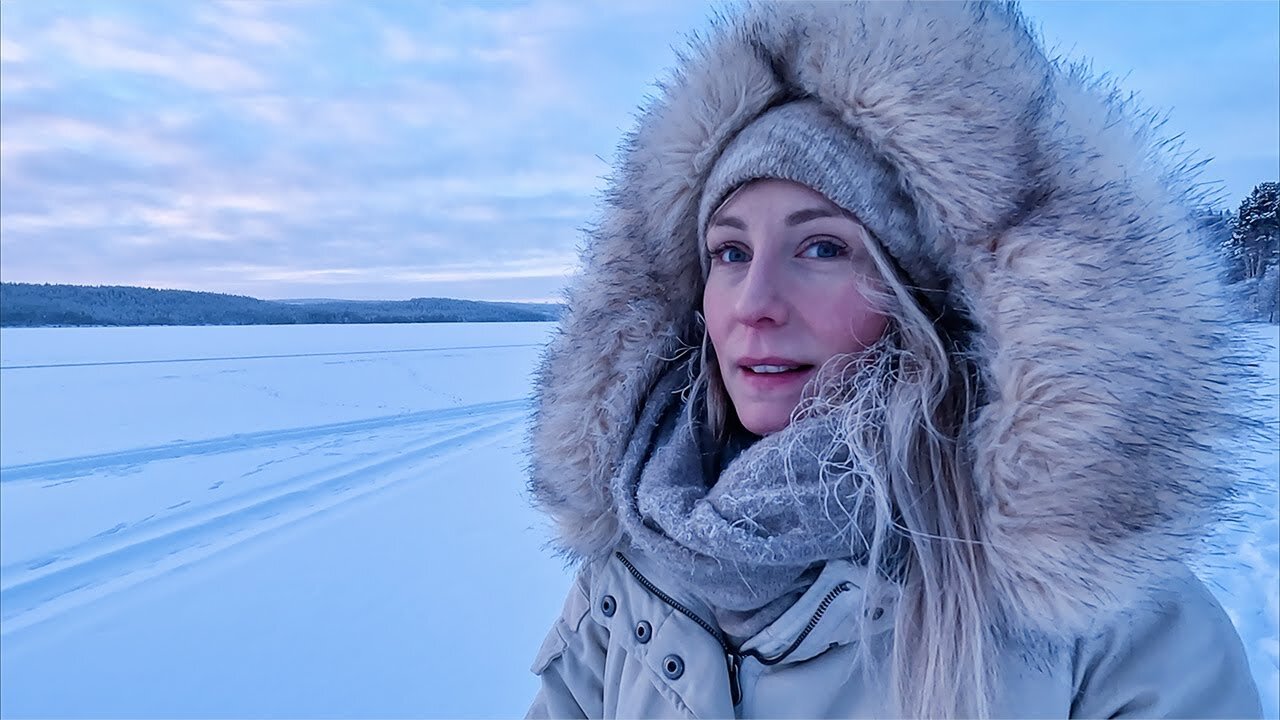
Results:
x,y
803,142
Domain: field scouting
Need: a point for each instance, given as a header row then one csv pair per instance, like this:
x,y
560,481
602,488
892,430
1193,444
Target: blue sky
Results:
x,y
396,148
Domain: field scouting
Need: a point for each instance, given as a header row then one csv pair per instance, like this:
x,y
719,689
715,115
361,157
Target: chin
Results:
x,y
765,423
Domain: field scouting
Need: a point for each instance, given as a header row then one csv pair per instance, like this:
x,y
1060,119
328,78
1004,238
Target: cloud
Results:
x,y
77,218
15,83
31,139
102,44
525,44
217,215
19,77
550,267
577,176
246,22
11,52
365,120
400,46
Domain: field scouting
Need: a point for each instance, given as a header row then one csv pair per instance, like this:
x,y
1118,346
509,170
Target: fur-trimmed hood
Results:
x,y
1099,322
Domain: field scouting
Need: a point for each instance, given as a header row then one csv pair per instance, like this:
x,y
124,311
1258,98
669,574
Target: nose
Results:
x,y
761,299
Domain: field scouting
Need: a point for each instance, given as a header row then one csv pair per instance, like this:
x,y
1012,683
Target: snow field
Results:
x,y
327,521
341,531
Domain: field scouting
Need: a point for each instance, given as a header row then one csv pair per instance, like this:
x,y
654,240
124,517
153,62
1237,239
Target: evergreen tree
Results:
x,y
1255,239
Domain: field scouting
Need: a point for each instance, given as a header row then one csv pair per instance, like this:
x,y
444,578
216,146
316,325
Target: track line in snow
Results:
x,y
76,466
351,353
161,522
62,586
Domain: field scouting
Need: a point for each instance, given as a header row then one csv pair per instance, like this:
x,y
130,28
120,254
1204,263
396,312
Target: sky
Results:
x,y
392,149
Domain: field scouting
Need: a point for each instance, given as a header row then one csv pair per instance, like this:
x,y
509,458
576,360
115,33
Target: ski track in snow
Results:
x,y
35,590
80,466
279,356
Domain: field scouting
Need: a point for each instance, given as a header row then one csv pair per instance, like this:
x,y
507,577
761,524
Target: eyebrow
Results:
x,y
804,216
732,222
796,218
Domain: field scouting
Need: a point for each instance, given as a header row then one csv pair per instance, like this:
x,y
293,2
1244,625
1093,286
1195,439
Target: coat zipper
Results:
x,y
733,661
827,599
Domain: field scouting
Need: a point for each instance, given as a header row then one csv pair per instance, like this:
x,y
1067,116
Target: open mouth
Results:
x,y
777,369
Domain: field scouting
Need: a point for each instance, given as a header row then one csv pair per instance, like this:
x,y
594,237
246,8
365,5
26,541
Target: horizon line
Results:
x,y
527,301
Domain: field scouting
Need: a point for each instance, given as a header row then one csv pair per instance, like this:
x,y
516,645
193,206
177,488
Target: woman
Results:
x,y
892,384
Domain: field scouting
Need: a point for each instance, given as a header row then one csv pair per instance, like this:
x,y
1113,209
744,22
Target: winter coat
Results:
x,y
1097,321
625,647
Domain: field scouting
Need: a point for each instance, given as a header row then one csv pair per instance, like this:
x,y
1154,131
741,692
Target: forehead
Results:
x,y
768,193
773,200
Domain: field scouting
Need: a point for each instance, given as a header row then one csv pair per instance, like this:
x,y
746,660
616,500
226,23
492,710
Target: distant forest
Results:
x,y
1248,243
30,305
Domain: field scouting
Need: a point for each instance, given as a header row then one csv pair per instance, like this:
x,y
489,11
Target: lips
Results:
x,y
773,366
774,374
773,369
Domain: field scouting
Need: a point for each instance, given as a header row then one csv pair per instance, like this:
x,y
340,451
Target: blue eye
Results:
x,y
730,254
824,250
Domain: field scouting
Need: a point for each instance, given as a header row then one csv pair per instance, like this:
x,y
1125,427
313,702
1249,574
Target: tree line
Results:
x,y
37,305
1248,241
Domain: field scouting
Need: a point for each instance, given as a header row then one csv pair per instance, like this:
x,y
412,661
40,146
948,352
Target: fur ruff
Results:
x,y
1101,327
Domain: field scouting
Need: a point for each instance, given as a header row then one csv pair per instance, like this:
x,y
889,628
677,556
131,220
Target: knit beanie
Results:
x,y
803,142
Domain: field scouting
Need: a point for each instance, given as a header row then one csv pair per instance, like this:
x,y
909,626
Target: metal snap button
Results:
x,y
673,666
608,605
644,631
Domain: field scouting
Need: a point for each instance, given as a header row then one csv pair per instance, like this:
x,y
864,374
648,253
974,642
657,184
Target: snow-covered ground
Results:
x,y
316,521
312,521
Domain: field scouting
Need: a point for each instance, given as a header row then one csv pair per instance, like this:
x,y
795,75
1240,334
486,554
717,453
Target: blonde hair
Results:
x,y
900,413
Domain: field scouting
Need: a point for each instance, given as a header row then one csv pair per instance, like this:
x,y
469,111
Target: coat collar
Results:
x,y
834,611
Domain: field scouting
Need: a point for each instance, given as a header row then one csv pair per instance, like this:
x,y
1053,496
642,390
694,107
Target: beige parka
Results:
x,y
624,647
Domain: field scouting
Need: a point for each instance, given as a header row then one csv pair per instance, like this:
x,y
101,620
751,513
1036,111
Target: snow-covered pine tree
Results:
x,y
1255,239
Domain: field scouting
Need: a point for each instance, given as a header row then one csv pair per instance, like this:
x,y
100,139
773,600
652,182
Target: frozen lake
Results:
x,y
315,521
292,520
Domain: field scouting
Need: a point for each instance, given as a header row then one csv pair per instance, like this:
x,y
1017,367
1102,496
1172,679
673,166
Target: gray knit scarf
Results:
x,y
746,529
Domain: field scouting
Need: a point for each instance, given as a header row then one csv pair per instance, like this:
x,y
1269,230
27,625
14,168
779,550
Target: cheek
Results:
x,y
868,328
715,311
850,323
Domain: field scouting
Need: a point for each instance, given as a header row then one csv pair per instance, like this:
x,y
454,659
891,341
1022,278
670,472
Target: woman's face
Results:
x,y
785,294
